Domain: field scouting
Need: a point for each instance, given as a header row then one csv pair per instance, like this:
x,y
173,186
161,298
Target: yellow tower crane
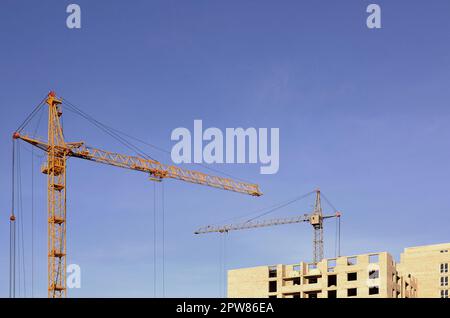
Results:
x,y
58,150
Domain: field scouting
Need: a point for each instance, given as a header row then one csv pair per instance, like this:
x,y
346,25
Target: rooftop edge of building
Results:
x,y
323,260
428,247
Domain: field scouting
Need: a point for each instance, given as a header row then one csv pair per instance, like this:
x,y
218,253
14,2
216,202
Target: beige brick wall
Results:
x,y
305,280
423,262
248,282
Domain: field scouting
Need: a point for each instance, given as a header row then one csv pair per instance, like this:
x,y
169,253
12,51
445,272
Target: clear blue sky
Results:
x,y
364,114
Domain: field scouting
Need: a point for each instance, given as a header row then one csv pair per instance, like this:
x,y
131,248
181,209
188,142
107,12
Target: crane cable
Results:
x,y
115,133
154,242
32,205
339,237
112,132
31,115
221,266
21,220
224,265
272,208
32,222
163,243
328,202
281,206
12,231
21,241
168,152
337,245
107,130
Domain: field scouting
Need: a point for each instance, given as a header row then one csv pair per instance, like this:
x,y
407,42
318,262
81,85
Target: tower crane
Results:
x,y
59,150
315,219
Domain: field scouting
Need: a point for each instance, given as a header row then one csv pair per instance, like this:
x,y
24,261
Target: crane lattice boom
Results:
x,y
251,224
257,224
156,170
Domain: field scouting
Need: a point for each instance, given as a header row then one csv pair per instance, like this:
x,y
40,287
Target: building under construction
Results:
x,y
422,272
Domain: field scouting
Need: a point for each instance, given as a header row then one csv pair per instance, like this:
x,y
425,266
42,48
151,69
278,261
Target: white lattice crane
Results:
x,y
315,219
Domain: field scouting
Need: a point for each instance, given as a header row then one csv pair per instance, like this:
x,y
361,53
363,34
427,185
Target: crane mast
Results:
x,y
55,168
58,150
317,223
315,219
56,202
